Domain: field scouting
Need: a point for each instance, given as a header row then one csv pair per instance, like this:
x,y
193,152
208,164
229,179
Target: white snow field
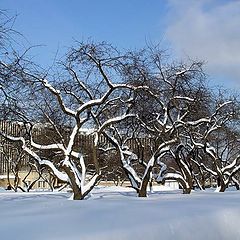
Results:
x,y
115,213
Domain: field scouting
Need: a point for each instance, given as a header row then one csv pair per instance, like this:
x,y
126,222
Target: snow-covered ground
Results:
x,y
116,213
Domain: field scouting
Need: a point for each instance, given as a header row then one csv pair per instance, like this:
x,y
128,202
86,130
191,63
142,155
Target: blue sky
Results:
x,y
55,24
206,29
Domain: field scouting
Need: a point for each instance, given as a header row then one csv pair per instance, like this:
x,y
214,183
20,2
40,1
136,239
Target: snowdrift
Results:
x,y
116,213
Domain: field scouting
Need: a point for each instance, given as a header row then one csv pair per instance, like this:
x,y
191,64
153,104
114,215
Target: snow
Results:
x,y
2,177
116,213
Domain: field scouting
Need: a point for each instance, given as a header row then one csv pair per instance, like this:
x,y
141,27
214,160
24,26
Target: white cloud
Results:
x,y
208,30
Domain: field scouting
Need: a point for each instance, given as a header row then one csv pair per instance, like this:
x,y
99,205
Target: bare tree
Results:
x,y
87,92
162,109
12,157
98,88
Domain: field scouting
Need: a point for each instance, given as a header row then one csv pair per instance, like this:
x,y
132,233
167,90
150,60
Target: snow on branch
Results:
x,y
235,163
198,122
59,98
184,98
55,146
114,120
208,169
223,105
60,175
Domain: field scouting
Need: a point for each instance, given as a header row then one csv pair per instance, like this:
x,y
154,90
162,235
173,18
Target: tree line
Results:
x,y
121,95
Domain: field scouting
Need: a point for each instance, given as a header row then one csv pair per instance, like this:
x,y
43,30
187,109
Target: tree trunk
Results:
x,y
143,190
203,183
16,182
92,186
187,190
33,183
222,188
95,160
236,183
188,186
221,185
77,193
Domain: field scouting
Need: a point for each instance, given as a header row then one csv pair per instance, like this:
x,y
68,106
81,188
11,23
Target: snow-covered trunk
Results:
x,y
77,191
30,187
236,183
237,186
77,180
222,186
126,157
91,185
146,178
187,185
188,188
223,174
200,183
177,176
222,183
134,184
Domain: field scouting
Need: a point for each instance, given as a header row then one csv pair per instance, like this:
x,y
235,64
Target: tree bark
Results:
x,y
143,190
77,193
221,185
